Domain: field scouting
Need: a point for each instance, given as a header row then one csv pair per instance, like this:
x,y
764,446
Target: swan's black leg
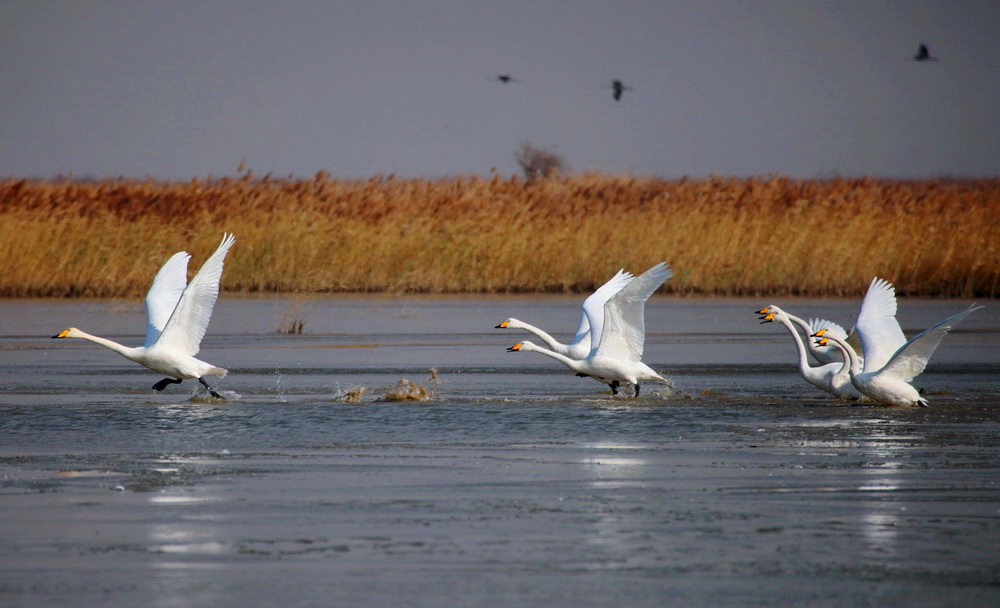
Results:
x,y
614,387
636,390
210,389
162,384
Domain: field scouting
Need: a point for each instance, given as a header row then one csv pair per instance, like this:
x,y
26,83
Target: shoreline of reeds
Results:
x,y
767,235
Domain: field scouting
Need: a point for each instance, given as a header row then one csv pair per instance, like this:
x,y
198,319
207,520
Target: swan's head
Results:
x,y
769,313
522,346
511,323
821,339
69,332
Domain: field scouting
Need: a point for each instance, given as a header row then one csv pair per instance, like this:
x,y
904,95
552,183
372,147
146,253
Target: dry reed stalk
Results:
x,y
768,235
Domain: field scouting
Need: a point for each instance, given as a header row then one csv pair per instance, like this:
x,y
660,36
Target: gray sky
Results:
x,y
180,89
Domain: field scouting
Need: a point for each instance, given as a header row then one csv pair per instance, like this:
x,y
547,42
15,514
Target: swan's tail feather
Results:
x,y
217,371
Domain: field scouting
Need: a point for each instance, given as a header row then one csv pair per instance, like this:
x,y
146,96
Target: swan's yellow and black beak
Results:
x,y
767,318
502,325
763,311
515,348
819,334
61,334
822,341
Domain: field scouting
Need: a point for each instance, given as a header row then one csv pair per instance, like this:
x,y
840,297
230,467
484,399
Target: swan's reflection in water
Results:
x,y
874,466
189,550
618,471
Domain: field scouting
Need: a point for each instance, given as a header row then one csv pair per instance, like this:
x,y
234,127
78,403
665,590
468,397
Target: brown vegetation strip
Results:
x,y
761,236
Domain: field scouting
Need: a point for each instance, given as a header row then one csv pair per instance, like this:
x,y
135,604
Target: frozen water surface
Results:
x,y
515,484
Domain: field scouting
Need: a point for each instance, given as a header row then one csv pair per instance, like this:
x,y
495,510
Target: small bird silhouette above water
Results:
x,y
507,78
618,87
924,54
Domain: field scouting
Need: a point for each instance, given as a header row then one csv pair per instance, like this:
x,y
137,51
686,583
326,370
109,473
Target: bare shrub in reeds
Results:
x,y
767,235
536,162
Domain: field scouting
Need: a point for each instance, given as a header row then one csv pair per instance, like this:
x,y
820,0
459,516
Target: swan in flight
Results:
x,y
822,354
833,378
177,315
593,307
617,352
887,379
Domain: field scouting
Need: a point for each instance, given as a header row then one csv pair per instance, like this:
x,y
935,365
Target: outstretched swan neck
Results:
x,y
121,349
573,364
799,346
551,342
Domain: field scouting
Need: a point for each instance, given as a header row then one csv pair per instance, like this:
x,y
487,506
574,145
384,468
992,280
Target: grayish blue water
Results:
x,y
516,483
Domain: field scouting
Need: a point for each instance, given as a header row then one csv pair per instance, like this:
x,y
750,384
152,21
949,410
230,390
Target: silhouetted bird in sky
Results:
x,y
506,78
923,54
618,87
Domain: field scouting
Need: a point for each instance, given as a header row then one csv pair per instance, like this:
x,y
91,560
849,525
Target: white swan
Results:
x,y
176,319
822,354
889,382
616,357
581,345
834,378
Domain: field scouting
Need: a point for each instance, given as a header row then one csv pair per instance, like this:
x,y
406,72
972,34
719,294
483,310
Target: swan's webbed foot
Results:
x,y
614,387
211,390
162,384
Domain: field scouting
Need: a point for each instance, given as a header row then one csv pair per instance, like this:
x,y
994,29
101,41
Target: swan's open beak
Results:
x,y
515,348
767,318
61,334
502,325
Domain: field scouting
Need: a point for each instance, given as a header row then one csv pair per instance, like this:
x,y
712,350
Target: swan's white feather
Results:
x,y
624,332
189,321
593,307
911,359
877,327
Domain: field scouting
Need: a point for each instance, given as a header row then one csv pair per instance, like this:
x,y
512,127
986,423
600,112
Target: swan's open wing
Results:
x,y
187,325
624,332
161,300
593,306
877,327
911,360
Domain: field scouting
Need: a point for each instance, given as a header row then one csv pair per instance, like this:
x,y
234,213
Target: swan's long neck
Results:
x,y
125,351
851,361
544,337
573,364
799,346
799,322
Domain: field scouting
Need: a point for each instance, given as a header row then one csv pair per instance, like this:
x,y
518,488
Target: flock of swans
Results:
x,y
888,362
608,344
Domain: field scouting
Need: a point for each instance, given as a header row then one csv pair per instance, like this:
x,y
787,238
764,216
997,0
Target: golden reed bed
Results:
x,y
760,236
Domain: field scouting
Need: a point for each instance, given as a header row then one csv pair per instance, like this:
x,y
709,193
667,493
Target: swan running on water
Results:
x,y
617,352
177,315
593,307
